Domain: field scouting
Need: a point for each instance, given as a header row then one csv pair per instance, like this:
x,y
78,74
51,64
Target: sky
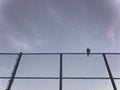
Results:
x,y
51,26
59,25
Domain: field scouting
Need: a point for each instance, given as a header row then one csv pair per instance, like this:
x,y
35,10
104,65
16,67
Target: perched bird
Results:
x,y
88,51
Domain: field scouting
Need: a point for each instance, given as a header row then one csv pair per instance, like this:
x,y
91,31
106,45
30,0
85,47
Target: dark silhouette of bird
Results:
x,y
88,51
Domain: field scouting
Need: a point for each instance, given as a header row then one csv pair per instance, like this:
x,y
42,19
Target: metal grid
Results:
x,y
60,78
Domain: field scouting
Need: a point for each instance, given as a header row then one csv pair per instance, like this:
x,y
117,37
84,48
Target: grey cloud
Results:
x,y
54,25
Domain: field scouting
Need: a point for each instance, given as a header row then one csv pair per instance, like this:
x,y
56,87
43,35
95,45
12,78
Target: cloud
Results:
x,y
111,34
117,1
37,39
113,31
27,24
20,44
3,3
10,36
54,12
17,30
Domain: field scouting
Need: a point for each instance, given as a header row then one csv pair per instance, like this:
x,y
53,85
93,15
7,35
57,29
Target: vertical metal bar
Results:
x,y
109,72
14,72
61,66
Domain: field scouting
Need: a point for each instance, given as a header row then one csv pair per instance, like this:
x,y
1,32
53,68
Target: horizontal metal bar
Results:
x,y
53,53
50,53
41,53
58,78
5,77
30,77
90,53
36,77
86,78
9,53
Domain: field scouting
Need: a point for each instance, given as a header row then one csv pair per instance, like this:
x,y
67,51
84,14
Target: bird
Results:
x,y
88,51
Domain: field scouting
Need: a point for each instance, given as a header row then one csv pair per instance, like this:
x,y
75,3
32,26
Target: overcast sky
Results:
x,y
59,25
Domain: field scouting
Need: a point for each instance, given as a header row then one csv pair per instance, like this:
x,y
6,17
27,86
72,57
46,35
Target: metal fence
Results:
x,y
10,79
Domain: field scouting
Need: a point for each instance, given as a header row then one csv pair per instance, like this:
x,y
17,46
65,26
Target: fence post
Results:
x,y
61,67
109,72
14,72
